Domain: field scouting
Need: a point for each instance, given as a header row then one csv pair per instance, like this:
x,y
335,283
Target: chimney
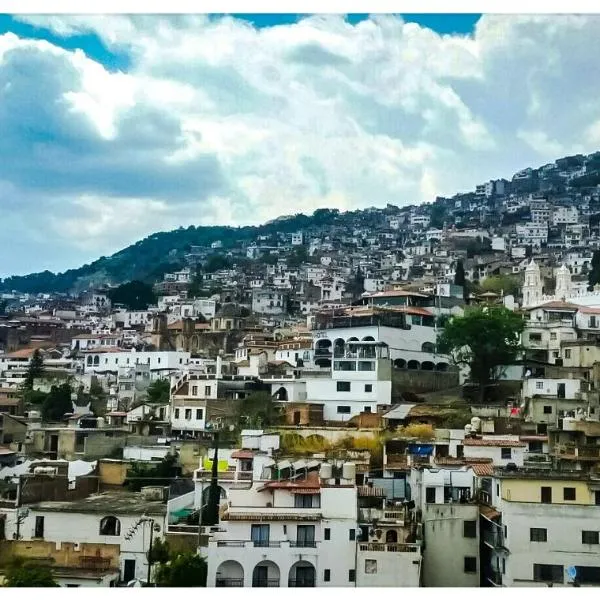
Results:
x,y
219,367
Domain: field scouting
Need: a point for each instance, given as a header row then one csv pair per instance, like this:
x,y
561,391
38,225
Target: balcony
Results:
x,y
301,582
377,547
94,563
303,544
494,538
573,452
261,582
265,544
229,582
494,578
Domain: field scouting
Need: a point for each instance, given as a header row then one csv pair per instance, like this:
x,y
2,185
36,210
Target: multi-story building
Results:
x,y
297,531
541,528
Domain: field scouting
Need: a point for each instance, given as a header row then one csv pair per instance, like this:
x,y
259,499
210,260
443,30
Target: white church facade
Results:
x,y
565,290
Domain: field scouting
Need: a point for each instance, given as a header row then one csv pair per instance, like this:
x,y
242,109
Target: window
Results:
x,y
343,410
177,413
158,360
307,501
259,534
597,497
110,526
546,495
199,414
536,447
368,387
569,493
430,495
588,575
542,429
327,575
505,453
188,413
539,385
207,390
352,535
351,575
567,353
553,335
590,537
370,566
470,529
39,527
343,386
535,337
470,564
538,534
547,410
367,409
305,536
194,390
327,534
548,573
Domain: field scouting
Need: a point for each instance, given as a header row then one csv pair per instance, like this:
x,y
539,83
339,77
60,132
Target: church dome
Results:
x,y
532,267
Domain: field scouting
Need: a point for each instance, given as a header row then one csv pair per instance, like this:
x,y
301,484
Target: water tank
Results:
x,y
100,422
468,429
34,414
349,471
325,471
475,424
569,424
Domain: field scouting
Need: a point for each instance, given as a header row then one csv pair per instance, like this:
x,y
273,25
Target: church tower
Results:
x,y
564,288
532,287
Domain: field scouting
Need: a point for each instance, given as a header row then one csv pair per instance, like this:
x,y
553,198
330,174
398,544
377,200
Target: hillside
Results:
x,y
161,252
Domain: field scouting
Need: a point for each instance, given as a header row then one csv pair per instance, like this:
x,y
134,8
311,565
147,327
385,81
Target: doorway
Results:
x,y
128,570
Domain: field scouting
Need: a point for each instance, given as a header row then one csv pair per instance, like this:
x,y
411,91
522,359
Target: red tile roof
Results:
x,y
483,469
242,454
496,443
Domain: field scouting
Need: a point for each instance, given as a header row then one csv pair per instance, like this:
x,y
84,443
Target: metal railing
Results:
x,y
229,582
383,547
231,544
266,544
262,582
308,582
494,537
303,544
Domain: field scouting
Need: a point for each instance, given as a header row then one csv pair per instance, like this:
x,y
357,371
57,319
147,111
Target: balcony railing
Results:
x,y
244,476
301,583
303,544
378,547
229,582
494,578
261,582
494,538
231,544
266,544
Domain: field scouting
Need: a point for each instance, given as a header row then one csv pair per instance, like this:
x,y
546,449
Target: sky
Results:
x,y
114,127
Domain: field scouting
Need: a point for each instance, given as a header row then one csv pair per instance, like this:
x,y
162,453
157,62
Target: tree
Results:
x,y
594,274
159,391
501,283
297,256
459,274
210,512
256,410
217,263
135,295
34,369
160,552
184,570
20,574
141,475
485,339
57,403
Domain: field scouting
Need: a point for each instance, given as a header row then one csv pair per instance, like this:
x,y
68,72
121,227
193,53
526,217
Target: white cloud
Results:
x,y
218,122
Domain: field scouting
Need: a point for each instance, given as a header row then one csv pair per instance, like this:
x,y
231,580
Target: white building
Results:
x,y
104,518
297,532
297,238
161,363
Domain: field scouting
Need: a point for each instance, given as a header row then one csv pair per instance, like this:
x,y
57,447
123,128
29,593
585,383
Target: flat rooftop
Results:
x,y
118,503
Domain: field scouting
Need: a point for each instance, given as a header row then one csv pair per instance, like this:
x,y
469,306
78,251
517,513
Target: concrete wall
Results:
x,y
446,546
420,382
388,569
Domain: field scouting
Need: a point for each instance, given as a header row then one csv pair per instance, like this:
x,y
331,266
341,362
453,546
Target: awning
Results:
x,y
489,513
310,491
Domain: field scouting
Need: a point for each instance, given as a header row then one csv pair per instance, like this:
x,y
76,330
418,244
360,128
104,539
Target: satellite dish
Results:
x,y
571,572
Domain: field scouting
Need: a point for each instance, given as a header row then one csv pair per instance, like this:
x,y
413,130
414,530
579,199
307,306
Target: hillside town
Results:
x,y
299,410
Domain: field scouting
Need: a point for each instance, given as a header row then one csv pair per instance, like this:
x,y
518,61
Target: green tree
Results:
x,y
141,475
184,570
34,369
298,256
459,274
160,552
216,263
159,391
21,574
135,295
501,283
485,339
594,274
57,403
256,410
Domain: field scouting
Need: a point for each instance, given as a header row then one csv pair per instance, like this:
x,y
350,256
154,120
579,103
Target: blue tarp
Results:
x,y
420,449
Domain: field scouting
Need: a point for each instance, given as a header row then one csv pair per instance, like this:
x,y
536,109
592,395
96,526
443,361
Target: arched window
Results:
x,y
96,360
427,347
89,360
110,526
391,536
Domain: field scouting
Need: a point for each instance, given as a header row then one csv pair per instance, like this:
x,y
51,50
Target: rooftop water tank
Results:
x,y
476,423
349,471
325,471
